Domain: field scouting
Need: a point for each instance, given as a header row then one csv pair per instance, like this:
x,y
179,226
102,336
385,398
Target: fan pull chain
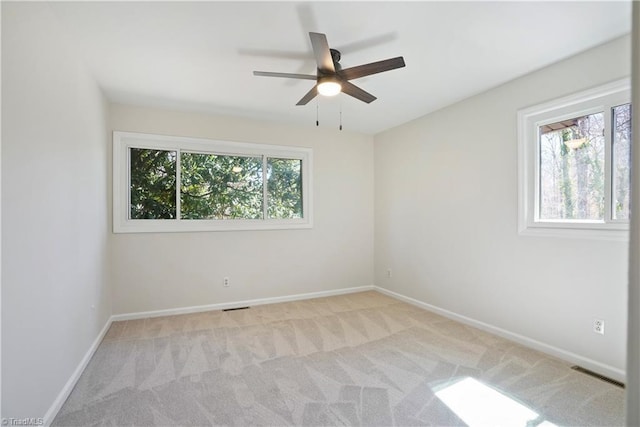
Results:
x,y
317,121
341,114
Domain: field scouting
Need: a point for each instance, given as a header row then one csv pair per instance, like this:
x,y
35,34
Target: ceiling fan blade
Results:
x,y
309,96
285,75
372,68
322,53
356,92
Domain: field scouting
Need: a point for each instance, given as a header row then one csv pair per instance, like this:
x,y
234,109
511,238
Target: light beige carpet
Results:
x,y
360,359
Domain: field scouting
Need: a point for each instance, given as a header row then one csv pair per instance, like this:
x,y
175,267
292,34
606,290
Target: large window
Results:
x,y
574,156
185,184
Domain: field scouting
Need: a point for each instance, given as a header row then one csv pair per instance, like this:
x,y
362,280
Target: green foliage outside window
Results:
x,y
220,187
284,184
153,184
212,186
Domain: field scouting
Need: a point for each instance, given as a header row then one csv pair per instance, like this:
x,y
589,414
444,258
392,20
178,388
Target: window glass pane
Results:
x,y
284,186
571,169
152,184
621,161
220,187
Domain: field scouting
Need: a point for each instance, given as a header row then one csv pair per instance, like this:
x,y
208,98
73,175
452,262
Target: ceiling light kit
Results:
x,y
329,86
330,78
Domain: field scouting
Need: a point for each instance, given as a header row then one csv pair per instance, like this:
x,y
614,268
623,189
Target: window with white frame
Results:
x,y
574,164
169,184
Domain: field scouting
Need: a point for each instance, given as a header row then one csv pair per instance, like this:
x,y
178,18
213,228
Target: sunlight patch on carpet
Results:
x,y
480,405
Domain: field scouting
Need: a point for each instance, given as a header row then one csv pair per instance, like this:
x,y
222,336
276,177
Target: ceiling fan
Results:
x,y
331,79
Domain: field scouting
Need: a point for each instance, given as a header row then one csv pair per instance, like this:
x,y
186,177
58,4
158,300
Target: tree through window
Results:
x,y
213,186
572,168
621,173
188,184
574,164
220,187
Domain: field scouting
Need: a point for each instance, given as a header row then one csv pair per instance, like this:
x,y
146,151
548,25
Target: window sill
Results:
x,y
593,231
190,226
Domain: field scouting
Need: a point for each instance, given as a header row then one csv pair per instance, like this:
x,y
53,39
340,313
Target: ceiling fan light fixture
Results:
x,y
331,79
329,86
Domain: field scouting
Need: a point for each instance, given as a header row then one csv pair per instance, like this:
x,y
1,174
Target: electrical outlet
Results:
x,y
225,282
598,326
389,273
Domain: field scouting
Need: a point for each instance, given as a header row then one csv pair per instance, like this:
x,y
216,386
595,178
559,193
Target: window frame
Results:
x,y
598,99
124,141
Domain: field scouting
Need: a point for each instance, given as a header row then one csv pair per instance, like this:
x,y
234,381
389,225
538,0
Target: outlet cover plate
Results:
x,y
598,326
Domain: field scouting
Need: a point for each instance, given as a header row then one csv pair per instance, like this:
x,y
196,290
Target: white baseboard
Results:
x,y
71,382
235,304
593,365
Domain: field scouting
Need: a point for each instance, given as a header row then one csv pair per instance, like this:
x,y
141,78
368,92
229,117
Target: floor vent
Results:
x,y
237,308
598,376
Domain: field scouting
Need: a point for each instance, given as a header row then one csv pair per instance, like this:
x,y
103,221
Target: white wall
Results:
x,y
446,220
171,270
54,210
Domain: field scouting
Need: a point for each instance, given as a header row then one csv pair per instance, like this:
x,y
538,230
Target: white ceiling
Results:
x,y
200,55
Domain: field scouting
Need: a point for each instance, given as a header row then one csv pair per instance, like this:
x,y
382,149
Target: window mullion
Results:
x,y
536,176
128,177
178,184
264,188
608,170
